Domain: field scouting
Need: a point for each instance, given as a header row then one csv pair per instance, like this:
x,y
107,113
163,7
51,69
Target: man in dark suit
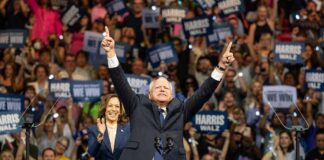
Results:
x,y
318,152
160,114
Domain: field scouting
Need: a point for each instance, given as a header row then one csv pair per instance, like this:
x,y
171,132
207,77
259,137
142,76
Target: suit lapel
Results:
x,y
119,136
173,108
156,115
106,141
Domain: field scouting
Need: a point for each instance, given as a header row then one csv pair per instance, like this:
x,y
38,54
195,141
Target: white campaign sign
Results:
x,y
279,96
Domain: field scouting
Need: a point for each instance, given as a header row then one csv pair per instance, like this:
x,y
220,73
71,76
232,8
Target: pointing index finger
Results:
x,y
107,31
228,49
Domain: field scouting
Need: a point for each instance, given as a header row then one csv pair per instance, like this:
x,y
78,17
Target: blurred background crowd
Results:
x,y
53,50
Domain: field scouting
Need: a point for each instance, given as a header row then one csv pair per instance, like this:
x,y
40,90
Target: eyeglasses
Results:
x,y
60,143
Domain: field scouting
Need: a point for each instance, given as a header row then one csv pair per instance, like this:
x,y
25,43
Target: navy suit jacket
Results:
x,y
103,150
144,118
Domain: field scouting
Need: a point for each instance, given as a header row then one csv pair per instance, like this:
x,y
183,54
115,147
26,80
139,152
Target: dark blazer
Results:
x,y
144,118
103,150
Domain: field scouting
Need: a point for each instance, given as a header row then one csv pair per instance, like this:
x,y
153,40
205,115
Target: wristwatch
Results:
x,y
220,68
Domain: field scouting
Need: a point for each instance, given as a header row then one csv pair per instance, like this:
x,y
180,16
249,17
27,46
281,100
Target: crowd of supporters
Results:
x,y
54,50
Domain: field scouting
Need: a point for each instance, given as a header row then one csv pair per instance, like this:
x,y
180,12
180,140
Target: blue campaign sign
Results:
x,y
11,102
60,88
14,38
173,15
314,79
116,6
162,52
212,122
223,30
91,41
11,106
200,26
205,4
150,18
219,33
289,52
121,51
86,91
228,7
139,84
10,122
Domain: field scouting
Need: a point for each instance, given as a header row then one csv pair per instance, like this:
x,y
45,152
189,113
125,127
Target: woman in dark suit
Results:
x,y
108,137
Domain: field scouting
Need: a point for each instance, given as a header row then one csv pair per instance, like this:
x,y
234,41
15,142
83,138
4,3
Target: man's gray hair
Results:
x,y
152,83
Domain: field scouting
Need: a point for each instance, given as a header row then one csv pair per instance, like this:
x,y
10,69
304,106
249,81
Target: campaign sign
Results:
x,y
11,102
121,50
231,6
223,30
173,15
86,91
162,52
279,96
13,38
211,122
139,84
71,16
212,38
10,122
197,26
220,32
289,52
150,18
60,88
92,41
205,4
11,106
116,6
315,79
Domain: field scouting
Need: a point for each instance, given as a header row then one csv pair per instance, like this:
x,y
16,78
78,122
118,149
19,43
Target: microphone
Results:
x,y
297,128
43,121
169,145
25,111
158,144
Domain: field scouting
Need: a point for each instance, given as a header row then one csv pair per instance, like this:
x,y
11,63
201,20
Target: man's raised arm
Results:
x,y
194,103
124,91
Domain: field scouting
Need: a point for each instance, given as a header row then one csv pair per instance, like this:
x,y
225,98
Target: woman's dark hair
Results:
x,y
291,146
41,66
122,118
77,27
84,53
48,118
13,65
314,58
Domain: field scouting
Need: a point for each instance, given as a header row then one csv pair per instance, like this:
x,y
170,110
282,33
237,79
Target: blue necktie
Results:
x,y
157,155
161,111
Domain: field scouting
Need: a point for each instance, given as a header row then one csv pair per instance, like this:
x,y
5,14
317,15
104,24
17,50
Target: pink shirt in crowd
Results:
x,y
98,11
47,21
76,43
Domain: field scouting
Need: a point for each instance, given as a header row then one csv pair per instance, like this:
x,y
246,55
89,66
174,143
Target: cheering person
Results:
x,y
108,137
